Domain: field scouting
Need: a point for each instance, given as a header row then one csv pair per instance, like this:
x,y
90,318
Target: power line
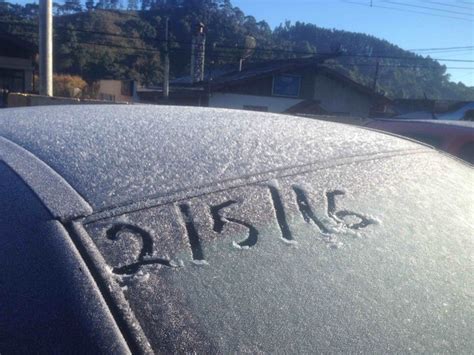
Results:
x,y
406,10
427,8
272,50
467,74
465,54
332,64
229,56
394,66
449,5
226,56
441,49
438,59
449,52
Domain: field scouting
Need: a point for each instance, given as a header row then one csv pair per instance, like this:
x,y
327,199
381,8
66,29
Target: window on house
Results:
x,y
286,85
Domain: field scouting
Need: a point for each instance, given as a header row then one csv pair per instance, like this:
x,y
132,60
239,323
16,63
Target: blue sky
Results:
x,y
410,27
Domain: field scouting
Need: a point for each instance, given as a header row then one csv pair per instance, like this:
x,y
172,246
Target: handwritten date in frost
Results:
x,y
145,256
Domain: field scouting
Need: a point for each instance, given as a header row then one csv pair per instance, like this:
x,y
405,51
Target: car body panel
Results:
x,y
49,301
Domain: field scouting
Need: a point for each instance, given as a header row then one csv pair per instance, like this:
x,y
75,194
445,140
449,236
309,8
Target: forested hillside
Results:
x,y
100,40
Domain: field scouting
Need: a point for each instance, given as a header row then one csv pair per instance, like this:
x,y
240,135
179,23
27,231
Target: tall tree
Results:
x,y
146,4
132,5
89,5
72,6
114,4
103,4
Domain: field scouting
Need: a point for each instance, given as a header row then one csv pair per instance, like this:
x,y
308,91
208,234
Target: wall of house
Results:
x,y
337,97
263,86
112,90
183,98
16,73
252,102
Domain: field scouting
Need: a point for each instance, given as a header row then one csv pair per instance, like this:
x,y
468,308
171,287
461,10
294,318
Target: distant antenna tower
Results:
x,y
198,53
249,48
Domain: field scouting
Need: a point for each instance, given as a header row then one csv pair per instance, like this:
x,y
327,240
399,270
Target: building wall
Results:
x,y
111,90
337,97
252,102
9,66
263,86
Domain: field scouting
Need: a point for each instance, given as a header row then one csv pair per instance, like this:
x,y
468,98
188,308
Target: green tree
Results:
x,y
89,5
72,6
132,5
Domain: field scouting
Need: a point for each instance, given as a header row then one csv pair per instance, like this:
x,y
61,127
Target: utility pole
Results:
x,y
374,85
46,47
166,79
198,50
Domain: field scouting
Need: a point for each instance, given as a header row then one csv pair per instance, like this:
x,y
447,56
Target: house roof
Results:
x,y
263,69
229,72
229,75
334,74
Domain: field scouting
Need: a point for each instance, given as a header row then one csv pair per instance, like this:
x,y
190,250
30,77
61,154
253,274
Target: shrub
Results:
x,y
68,85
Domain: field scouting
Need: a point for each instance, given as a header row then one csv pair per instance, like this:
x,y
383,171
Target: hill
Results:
x,y
105,43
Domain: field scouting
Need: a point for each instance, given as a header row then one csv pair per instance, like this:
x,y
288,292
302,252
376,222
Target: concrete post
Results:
x,y
46,47
166,79
198,48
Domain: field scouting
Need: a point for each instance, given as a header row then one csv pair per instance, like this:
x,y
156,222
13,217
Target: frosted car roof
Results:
x,y
115,155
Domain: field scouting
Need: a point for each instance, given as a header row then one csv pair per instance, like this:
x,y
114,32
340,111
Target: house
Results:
x,y
116,90
16,64
298,86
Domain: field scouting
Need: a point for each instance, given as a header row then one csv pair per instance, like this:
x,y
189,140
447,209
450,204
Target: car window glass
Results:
x,y
304,262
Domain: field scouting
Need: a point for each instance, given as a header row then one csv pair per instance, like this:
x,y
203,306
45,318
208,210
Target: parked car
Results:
x,y
175,230
462,113
454,137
